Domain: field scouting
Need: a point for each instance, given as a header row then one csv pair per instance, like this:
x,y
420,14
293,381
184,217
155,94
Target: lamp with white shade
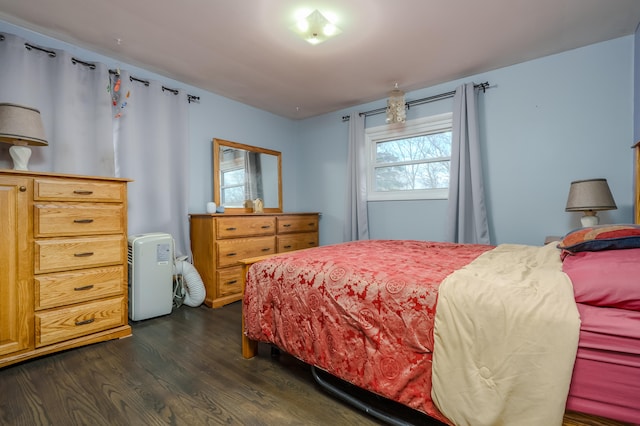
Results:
x,y
590,196
21,126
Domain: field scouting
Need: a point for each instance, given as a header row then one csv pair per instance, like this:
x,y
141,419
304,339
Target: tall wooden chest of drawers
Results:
x,y
63,253
220,241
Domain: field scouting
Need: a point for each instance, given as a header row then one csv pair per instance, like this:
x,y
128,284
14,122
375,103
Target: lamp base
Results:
x,y
589,220
20,155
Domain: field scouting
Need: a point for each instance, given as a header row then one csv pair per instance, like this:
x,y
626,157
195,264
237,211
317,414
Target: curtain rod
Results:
x,y
483,86
52,53
190,98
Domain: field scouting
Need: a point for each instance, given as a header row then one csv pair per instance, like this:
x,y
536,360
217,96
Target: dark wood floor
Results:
x,y
180,369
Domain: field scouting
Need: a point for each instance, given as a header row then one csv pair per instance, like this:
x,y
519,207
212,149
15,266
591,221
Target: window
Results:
x,y
410,162
232,177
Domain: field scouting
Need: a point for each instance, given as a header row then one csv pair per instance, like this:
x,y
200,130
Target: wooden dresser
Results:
x,y
63,262
220,241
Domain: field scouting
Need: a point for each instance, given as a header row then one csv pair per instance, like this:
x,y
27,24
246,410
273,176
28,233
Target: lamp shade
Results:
x,y
21,125
590,195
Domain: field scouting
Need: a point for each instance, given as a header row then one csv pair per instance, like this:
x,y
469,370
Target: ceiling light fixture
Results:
x,y
396,112
315,28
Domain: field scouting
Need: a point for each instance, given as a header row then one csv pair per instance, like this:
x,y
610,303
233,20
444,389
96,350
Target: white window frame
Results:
x,y
412,128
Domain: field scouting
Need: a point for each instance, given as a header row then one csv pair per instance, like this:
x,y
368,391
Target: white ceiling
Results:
x,y
245,50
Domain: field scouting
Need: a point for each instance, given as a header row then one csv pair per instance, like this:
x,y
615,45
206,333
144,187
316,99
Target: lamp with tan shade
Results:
x,y
589,196
21,126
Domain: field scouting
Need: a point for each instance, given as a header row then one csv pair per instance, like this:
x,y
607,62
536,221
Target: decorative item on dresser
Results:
x,y
220,241
63,277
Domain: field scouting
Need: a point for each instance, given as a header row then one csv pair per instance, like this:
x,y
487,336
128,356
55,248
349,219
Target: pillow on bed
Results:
x,y
601,237
606,278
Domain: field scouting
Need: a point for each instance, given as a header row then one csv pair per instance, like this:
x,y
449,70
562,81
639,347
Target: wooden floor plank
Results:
x,y
185,368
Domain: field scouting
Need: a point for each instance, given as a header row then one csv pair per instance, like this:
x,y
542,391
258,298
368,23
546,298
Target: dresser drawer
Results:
x,y
297,241
75,253
66,323
61,220
229,281
231,251
71,190
234,227
290,224
67,288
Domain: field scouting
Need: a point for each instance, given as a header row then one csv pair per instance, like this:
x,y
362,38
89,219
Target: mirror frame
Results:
x,y
217,143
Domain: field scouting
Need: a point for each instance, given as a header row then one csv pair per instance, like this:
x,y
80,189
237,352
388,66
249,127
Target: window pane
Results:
x,y
413,176
424,147
233,177
233,196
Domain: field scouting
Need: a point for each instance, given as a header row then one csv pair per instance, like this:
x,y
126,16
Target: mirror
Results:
x,y
243,173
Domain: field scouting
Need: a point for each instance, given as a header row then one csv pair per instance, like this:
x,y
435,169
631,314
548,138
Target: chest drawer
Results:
x,y
287,224
297,241
70,190
75,253
62,324
229,281
78,219
232,251
67,288
234,227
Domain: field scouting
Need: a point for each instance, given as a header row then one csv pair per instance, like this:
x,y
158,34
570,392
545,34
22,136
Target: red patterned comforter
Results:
x,y
363,311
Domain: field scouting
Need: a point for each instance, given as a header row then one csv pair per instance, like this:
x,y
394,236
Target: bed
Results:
x,y
468,334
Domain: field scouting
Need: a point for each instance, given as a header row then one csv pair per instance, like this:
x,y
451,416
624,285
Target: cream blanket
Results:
x,y
505,339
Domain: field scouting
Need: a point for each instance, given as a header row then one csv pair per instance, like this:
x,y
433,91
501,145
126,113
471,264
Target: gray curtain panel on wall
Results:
x,y
467,215
73,103
356,225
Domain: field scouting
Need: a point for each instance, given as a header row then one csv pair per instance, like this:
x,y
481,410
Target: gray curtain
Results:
x,y
252,176
467,215
151,139
73,103
356,225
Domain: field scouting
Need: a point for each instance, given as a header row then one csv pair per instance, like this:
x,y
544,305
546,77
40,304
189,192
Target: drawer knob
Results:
x,y
231,229
232,254
312,223
86,287
85,254
83,221
232,282
287,225
22,188
82,192
266,249
266,226
89,321
287,246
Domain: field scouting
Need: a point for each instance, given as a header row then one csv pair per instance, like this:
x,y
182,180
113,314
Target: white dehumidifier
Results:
x,y
150,275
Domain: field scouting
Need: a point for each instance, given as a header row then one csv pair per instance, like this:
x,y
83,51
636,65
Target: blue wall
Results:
x,y
545,123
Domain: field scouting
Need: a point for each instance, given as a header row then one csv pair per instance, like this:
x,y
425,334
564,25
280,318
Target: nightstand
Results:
x,y
552,238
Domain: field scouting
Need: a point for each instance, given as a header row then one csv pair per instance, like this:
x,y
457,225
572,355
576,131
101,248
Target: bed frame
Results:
x,y
250,347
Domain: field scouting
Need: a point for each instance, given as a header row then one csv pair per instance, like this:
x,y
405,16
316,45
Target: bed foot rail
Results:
x,y
363,406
